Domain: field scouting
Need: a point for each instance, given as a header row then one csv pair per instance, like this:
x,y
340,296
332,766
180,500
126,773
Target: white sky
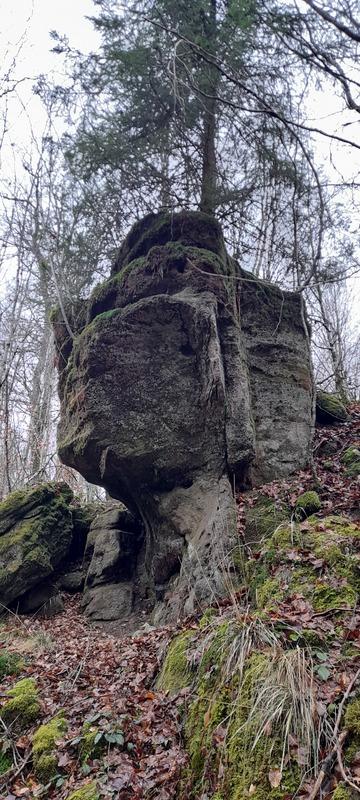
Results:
x,y
25,36
34,19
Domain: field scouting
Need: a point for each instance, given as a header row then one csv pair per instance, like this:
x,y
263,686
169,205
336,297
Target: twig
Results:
x,y
326,764
342,770
331,610
336,750
343,701
12,775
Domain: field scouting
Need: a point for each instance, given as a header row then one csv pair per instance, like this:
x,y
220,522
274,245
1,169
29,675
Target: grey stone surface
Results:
x,y
35,537
72,581
110,601
43,600
186,375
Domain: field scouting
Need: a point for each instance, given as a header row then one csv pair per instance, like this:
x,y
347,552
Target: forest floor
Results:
x,y
109,683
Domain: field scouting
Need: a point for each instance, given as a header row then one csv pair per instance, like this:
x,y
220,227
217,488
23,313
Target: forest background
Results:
x,y
247,110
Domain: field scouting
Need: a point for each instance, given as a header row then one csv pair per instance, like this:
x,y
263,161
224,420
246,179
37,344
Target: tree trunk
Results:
x,y
209,85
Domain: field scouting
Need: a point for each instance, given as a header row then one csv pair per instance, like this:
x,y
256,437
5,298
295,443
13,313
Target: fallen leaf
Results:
x,y
275,776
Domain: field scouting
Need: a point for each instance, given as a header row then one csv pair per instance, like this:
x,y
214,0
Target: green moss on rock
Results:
x,y
87,792
307,504
326,597
285,569
176,671
351,459
187,228
223,707
44,748
329,409
352,717
269,593
36,528
23,707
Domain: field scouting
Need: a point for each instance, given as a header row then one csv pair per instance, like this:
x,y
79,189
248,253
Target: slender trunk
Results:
x,y
209,86
334,345
208,179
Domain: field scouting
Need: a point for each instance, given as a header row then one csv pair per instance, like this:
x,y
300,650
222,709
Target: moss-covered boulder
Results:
x,y
188,228
35,536
23,707
351,459
307,504
44,742
330,409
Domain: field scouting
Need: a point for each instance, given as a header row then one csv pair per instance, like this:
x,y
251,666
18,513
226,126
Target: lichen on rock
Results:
x,y
35,535
167,394
23,707
44,747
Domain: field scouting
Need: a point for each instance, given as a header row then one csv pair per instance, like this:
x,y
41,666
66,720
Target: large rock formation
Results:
x,y
185,375
42,532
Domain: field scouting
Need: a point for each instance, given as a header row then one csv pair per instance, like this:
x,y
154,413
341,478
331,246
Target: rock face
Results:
x,y
42,533
185,374
35,535
113,544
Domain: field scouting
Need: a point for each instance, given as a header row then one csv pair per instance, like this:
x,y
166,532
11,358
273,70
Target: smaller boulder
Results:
x,y
351,460
72,582
35,536
112,547
329,409
44,600
307,504
112,601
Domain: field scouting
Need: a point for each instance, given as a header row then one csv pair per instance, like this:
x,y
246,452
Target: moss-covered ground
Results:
x,y
241,702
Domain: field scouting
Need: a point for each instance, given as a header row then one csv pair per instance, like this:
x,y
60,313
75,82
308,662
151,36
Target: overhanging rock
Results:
x,y
185,375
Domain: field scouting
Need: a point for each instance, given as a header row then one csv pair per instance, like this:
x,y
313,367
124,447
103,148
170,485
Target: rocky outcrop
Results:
x,y
42,530
113,545
185,374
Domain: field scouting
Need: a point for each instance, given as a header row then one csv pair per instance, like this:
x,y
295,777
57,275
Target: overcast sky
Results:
x,y
25,37
34,19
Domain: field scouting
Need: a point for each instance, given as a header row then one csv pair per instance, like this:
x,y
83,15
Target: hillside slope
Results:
x,y
258,697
